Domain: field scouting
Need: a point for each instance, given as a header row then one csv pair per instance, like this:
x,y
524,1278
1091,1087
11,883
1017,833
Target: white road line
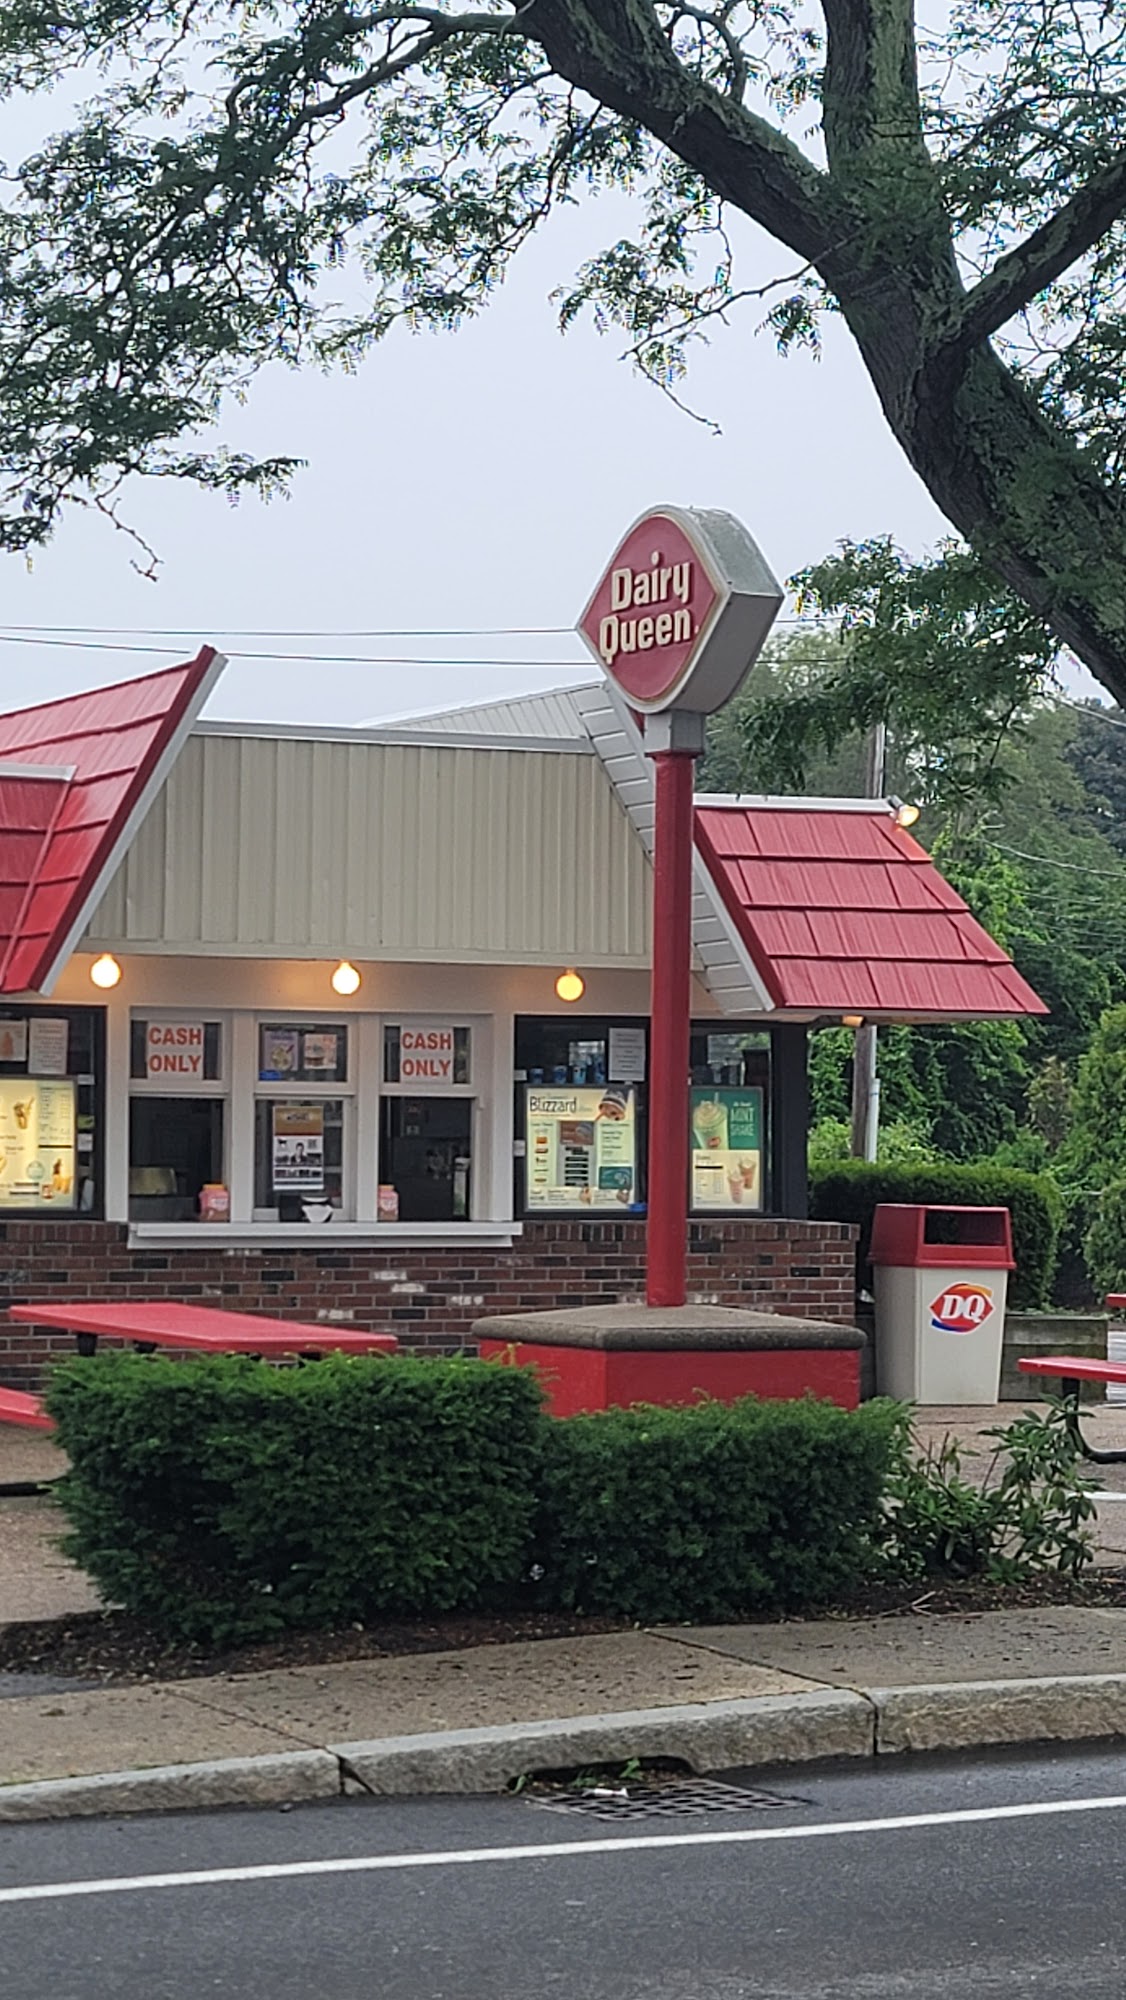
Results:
x,y
556,1850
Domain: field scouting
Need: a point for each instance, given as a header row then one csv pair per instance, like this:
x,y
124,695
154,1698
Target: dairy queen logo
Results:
x,y
961,1308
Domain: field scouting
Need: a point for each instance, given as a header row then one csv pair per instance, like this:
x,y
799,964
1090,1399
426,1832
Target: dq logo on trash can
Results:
x,y
961,1308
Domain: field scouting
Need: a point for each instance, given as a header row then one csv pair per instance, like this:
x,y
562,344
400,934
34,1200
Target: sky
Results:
x,y
459,482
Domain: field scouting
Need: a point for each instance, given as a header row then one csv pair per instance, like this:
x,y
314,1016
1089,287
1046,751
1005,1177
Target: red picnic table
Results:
x,y
1072,1370
168,1323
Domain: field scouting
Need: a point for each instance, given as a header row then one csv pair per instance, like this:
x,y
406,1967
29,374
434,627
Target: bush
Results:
x,y
1032,1515
713,1511
1105,1245
224,1499
852,1191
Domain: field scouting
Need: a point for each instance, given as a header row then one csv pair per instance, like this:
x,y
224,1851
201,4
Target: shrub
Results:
x,y
224,1499
711,1511
851,1192
1105,1244
1030,1516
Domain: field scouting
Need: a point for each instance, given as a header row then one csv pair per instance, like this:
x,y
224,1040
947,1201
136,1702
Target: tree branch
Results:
x,y
617,51
1021,273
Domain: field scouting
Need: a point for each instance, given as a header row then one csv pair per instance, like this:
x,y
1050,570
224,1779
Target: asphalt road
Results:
x,y
952,1881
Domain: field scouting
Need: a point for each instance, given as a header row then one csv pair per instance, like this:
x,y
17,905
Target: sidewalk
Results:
x,y
716,1697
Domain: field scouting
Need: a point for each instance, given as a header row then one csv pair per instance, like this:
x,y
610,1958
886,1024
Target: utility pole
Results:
x,y
865,1072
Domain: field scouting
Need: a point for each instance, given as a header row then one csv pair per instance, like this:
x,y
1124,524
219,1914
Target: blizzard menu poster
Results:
x,y
581,1147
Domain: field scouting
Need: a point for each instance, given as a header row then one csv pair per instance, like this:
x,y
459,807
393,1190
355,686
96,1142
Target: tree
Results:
x,y
966,220
1097,1147
939,652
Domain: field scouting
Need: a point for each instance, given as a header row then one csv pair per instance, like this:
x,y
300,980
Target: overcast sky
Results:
x,y
472,480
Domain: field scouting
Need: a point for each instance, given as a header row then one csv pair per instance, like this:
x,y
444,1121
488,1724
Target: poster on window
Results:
x,y
580,1148
37,1144
47,1046
726,1149
299,1148
13,1041
281,1054
320,1052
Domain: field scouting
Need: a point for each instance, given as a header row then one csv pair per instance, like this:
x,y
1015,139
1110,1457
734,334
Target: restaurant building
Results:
x,y
354,1023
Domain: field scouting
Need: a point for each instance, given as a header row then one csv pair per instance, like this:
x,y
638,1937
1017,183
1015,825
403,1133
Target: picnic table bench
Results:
x,y
168,1323
1071,1371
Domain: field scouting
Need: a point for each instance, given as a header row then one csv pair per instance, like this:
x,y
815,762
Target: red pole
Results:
x,y
667,1229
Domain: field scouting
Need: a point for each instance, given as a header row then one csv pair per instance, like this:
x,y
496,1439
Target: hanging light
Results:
x,y
852,1020
345,979
907,815
105,971
570,985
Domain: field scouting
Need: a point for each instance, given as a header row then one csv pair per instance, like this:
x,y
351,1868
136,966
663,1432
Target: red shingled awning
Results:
x,y
76,778
842,912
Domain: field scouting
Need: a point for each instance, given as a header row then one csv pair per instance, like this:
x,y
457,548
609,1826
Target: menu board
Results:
x,y
726,1148
580,1148
37,1144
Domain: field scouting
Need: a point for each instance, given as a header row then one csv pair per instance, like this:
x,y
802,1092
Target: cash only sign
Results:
x,y
676,621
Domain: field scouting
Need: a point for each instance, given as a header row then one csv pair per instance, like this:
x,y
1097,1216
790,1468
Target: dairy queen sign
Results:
x,y
676,621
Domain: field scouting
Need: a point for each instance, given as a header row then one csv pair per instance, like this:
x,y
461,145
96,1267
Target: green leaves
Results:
x,y
850,1192
713,1511
227,1499
938,650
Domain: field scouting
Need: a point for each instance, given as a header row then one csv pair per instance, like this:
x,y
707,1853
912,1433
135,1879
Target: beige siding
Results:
x,y
291,846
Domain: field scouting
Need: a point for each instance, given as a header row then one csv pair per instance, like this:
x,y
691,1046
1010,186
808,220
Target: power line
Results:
x,y
1073,867
315,659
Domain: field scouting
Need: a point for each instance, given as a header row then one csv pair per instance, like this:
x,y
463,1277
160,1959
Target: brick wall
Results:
x,y
429,1298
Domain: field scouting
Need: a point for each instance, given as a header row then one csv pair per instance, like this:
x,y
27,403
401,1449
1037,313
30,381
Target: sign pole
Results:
x,y
679,614
666,1239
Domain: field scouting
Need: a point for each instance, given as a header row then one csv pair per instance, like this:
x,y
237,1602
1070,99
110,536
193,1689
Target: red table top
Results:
x,y
170,1324
1076,1367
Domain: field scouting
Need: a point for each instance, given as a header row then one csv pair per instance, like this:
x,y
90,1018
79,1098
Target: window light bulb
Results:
x,y
105,971
570,985
345,979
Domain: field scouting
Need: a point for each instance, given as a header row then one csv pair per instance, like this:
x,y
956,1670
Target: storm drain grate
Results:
x,y
689,1798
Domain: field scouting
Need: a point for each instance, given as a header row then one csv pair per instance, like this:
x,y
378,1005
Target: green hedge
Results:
x,y
851,1191
711,1511
223,1499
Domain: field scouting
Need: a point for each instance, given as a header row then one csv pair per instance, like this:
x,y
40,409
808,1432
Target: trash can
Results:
x,y
941,1276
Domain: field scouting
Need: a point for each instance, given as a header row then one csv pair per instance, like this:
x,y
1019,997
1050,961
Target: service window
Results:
x,y
580,1114
52,1066
178,1118
303,1115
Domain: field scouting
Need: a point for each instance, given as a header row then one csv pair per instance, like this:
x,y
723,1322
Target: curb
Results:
x,y
288,1779
770,1730
708,1736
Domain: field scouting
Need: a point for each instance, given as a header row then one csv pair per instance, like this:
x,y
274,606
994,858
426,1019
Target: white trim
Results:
x,y
129,831
56,774
729,972
438,739
775,802
235,1235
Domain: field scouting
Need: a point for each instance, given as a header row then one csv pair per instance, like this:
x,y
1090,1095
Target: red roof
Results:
x,y
76,777
842,912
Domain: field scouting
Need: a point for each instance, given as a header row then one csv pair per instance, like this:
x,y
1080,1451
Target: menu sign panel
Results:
x,y
37,1144
299,1148
726,1148
581,1148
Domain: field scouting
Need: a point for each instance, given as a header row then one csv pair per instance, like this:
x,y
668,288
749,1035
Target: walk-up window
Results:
x,y
427,1118
177,1116
52,1067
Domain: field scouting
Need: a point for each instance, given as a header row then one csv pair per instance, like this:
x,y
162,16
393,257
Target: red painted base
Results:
x,y
577,1379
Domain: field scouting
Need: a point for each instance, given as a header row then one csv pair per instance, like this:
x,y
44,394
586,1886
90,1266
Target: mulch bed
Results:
x,y
109,1646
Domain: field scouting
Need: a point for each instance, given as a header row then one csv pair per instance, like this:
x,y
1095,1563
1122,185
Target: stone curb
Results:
x,y
708,1736
1064,1708
286,1779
